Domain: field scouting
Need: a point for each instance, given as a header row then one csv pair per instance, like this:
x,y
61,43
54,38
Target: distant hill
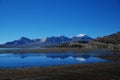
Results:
x,y
21,41
57,40
49,41
111,39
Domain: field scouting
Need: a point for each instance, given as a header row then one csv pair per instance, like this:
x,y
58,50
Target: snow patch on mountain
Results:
x,y
80,35
43,40
81,59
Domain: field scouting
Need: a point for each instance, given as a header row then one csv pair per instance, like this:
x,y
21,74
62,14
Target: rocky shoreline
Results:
x,y
96,71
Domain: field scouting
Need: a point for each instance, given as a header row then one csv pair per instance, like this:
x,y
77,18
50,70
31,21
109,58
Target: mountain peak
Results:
x,y
22,38
80,35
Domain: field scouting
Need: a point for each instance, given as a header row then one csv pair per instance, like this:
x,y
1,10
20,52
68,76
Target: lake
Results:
x,y
20,48
9,48
18,60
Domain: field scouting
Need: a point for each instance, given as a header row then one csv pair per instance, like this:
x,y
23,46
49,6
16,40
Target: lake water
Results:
x,y
20,48
17,60
9,48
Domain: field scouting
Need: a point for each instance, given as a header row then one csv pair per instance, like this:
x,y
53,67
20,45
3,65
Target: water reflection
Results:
x,y
51,55
45,59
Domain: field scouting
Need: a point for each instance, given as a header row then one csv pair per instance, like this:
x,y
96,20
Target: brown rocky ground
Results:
x,y
96,71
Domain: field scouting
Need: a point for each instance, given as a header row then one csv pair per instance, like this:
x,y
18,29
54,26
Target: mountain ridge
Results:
x,y
110,39
53,40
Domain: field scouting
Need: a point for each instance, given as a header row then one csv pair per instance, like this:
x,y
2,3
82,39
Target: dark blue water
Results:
x,y
11,60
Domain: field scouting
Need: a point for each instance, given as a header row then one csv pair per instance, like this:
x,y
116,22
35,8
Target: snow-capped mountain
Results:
x,y
48,41
81,37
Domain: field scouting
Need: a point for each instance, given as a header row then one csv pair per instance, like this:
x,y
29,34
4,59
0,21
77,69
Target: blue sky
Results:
x,y
42,18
